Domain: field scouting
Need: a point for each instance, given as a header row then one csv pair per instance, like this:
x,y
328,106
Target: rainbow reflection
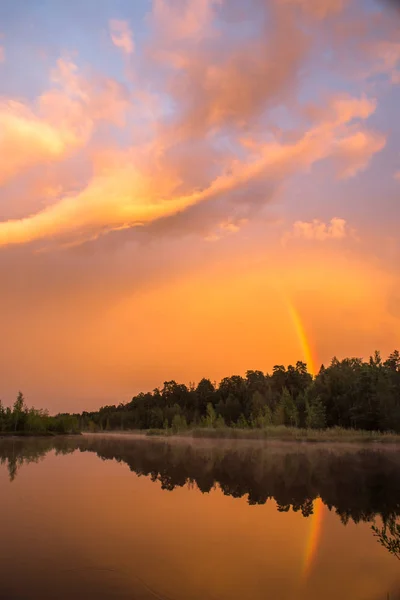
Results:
x,y
313,537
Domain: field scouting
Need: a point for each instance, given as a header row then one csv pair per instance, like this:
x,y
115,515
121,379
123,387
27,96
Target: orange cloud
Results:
x,y
214,86
122,36
27,140
226,227
317,230
127,196
63,120
354,153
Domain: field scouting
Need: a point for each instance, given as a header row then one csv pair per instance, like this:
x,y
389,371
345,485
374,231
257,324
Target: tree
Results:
x,y
389,537
289,409
257,404
255,382
18,409
178,423
2,417
205,394
232,409
211,416
35,420
393,361
315,414
219,422
242,423
260,413
278,417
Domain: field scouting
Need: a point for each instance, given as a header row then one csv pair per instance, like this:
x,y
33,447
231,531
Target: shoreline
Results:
x,y
32,434
278,434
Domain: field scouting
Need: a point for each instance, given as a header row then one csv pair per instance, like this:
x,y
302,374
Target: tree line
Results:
x,y
21,420
349,393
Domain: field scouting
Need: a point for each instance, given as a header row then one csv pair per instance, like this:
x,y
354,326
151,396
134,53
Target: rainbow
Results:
x,y
313,537
308,352
316,519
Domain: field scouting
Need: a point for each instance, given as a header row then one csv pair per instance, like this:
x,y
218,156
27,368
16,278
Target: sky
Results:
x,y
194,188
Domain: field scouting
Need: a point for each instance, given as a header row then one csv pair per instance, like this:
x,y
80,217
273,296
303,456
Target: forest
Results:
x,y
351,393
348,394
22,420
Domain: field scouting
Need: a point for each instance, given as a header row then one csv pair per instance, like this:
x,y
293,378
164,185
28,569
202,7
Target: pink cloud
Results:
x,y
184,19
122,36
214,83
318,8
388,55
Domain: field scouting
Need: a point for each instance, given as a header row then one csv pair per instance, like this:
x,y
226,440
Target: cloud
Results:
x,y
216,76
128,196
27,139
227,227
386,60
316,230
215,82
2,54
122,36
397,175
63,119
318,8
354,153
183,19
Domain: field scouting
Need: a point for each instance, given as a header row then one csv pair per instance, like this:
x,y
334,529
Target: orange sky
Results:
x,y
176,174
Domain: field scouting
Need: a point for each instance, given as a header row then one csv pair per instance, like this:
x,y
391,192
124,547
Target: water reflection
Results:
x,y
357,483
16,452
109,533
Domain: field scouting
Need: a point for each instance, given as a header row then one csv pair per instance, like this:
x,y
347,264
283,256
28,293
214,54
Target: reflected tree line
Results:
x,y
16,452
357,484
351,393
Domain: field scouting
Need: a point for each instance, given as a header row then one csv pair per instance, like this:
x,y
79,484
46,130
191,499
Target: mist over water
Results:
x,y
127,517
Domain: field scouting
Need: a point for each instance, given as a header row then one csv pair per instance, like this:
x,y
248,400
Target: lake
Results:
x,y
140,518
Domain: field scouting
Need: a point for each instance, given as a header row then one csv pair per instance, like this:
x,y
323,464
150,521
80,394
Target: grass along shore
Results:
x,y
281,433
36,434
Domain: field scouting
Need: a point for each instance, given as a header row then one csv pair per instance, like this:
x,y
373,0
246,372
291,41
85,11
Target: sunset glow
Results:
x,y
194,188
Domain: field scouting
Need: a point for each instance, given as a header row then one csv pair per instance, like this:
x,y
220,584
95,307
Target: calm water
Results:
x,y
122,517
